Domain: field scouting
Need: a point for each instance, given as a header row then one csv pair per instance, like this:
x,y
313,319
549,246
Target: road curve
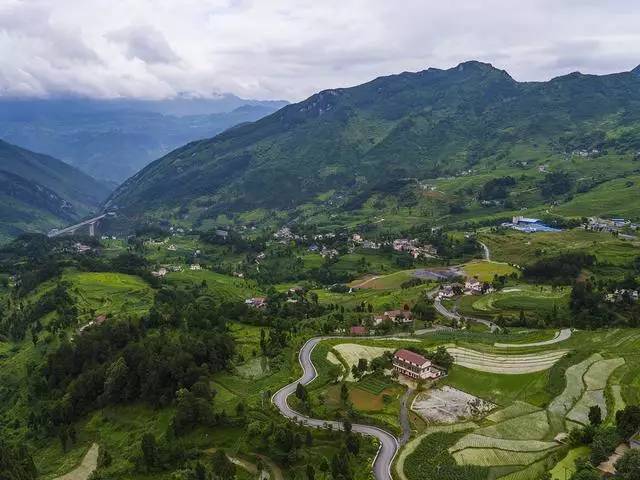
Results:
x,y
388,443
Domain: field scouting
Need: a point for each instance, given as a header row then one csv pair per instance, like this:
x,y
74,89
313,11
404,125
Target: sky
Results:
x,y
289,49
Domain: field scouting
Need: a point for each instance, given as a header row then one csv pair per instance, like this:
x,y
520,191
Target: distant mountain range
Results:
x,y
353,143
38,192
113,139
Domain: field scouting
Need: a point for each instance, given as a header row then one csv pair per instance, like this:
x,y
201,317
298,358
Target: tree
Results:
x,y
311,472
301,392
604,443
595,415
628,421
346,425
628,466
149,449
344,393
116,380
353,444
223,469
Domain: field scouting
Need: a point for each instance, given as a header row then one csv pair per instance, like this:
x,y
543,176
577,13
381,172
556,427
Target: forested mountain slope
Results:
x,y
38,192
358,141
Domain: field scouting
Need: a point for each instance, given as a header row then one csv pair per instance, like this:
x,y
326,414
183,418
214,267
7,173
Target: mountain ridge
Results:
x,y
423,124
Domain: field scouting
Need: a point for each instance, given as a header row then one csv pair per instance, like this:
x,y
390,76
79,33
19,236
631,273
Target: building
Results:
x,y
161,272
256,302
359,330
414,365
473,286
195,266
399,316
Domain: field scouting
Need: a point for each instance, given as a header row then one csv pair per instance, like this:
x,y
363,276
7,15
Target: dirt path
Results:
x,y
404,418
252,467
87,466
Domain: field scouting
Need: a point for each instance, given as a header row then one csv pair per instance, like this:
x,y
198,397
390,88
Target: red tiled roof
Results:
x,y
358,330
412,357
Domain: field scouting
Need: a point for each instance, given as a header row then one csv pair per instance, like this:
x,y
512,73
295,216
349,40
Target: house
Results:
x,y
473,286
82,248
222,233
172,247
399,316
359,330
328,252
161,272
414,365
195,266
256,302
446,292
100,319
313,247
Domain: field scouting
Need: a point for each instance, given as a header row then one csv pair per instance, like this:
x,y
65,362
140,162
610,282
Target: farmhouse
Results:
x,y
473,286
446,292
161,272
399,316
414,365
359,330
256,302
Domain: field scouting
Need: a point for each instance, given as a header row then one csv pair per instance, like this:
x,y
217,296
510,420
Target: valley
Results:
x,y
432,275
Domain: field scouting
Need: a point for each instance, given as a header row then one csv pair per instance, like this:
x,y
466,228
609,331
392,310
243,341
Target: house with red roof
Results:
x,y
414,365
359,330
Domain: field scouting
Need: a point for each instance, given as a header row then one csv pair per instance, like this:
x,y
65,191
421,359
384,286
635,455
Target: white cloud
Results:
x,y
292,48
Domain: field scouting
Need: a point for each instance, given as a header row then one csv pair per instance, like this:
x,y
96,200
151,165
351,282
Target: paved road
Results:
x,y
455,316
388,443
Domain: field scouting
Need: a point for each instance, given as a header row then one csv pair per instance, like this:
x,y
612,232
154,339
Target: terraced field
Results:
x,y
505,364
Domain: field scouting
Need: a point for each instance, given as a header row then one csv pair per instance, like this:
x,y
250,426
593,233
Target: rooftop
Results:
x,y
411,357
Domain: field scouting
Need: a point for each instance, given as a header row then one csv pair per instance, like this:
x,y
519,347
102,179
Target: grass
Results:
x,y
222,287
533,300
485,270
111,293
473,440
500,389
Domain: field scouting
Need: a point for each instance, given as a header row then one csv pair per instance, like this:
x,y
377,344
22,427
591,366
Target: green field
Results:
x,y
111,293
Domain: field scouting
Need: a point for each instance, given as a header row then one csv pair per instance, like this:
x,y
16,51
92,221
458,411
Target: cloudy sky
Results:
x,y
288,49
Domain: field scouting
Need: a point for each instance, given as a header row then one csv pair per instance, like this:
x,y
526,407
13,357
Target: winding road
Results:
x,y
388,442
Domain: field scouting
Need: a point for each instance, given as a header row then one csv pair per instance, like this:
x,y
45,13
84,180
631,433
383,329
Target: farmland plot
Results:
x,y
352,352
580,412
598,374
561,405
473,440
493,457
595,380
505,364
534,426
516,409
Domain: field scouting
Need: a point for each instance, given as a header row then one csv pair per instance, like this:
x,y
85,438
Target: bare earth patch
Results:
x,y
449,405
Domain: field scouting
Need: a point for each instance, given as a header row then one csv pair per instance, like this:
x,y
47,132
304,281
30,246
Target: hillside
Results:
x,y
113,139
353,143
38,192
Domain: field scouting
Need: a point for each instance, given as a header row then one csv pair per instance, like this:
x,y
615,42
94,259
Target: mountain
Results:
x,y
354,142
113,139
38,192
